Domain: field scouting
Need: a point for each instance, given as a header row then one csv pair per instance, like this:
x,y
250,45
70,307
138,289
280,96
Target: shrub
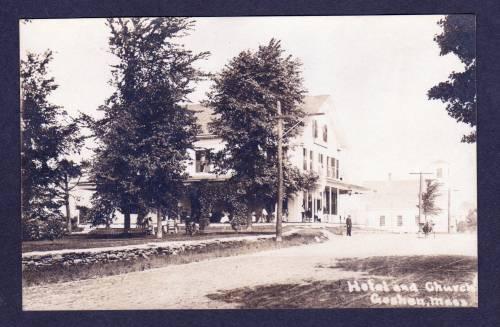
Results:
x,y
31,229
36,229
55,228
238,222
472,219
204,223
462,226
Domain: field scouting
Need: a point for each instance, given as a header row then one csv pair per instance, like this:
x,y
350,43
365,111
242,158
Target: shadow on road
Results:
x,y
398,273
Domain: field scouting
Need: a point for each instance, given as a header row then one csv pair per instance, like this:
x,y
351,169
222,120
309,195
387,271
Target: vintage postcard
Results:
x,y
249,162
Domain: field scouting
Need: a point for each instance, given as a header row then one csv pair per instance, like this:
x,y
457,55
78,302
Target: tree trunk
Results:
x,y
126,221
159,227
258,215
249,218
141,220
68,214
66,204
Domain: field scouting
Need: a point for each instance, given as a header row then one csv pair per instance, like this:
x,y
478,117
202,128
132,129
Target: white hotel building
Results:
x,y
320,147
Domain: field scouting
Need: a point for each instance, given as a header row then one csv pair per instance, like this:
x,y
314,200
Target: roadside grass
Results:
x,y
102,238
99,241
336,230
58,273
341,230
394,270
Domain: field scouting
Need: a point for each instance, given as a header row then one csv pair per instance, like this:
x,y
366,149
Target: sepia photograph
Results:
x,y
259,162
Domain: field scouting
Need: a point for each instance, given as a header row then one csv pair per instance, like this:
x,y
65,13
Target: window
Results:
x,y
305,159
325,133
201,162
337,169
417,220
311,160
334,201
382,221
439,173
327,200
400,221
331,168
320,160
315,129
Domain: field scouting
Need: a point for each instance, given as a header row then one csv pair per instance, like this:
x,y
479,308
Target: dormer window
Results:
x,y
325,133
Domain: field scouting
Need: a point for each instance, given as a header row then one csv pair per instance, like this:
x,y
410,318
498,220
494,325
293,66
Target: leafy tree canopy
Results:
x,y
429,197
146,130
459,91
49,136
244,99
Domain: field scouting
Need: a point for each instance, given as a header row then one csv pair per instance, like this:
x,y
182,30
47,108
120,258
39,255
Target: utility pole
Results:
x,y
420,195
279,214
159,225
449,208
281,134
449,211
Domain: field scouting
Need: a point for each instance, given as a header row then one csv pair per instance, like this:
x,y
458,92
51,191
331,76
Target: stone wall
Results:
x,y
129,253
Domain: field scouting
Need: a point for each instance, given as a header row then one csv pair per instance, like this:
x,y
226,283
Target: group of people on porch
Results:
x,y
307,215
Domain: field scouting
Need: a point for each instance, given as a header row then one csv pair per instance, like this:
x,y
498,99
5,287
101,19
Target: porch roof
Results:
x,y
207,177
347,186
86,184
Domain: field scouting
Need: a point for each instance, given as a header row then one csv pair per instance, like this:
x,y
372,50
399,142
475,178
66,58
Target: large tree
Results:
x,y
244,99
146,130
70,174
429,197
49,136
459,91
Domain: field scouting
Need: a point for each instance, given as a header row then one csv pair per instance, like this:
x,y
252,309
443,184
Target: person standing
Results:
x,y
348,223
319,215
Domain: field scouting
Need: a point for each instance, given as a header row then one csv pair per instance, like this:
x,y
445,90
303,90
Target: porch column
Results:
x,y
331,202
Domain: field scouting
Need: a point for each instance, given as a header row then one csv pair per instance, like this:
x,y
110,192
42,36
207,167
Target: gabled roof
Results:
x,y
392,194
323,103
312,104
204,115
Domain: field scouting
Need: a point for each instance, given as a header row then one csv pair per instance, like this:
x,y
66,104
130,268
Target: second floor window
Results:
x,y
315,129
331,172
382,221
305,158
201,161
311,160
400,220
325,133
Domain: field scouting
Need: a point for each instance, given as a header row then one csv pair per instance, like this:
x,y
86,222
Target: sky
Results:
x,y
377,70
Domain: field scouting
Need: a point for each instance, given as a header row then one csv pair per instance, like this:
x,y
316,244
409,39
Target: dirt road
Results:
x,y
186,286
